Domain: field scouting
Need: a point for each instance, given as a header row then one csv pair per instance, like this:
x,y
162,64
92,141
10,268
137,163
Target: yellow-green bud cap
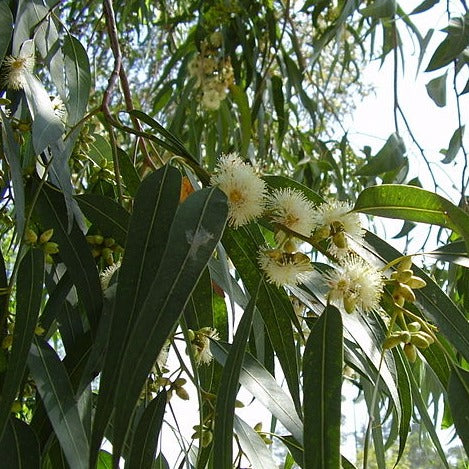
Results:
x,y
30,236
410,352
405,291
51,248
350,302
391,342
108,242
403,276
46,236
416,282
322,233
182,393
340,240
414,326
405,264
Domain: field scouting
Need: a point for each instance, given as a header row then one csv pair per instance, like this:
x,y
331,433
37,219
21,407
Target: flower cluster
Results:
x,y
213,72
200,344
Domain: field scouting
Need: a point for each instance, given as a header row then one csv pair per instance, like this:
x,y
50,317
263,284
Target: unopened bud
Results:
x,y
405,264
30,236
108,242
46,236
322,233
403,276
51,248
350,302
405,291
416,282
421,339
182,393
290,246
410,352
391,342
340,240
414,326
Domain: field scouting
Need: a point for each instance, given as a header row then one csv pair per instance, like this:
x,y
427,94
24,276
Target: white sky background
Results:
x,y
371,124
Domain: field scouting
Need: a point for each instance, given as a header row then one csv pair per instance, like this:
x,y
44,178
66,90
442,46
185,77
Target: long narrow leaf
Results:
x,y
458,396
29,288
224,409
322,375
57,395
195,232
145,440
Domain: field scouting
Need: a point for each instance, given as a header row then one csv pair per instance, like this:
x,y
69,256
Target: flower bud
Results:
x,y
290,246
182,393
410,352
403,276
404,336
414,326
108,242
398,299
421,339
391,342
207,437
405,264
416,282
30,236
51,248
322,233
350,302
46,236
340,240
404,291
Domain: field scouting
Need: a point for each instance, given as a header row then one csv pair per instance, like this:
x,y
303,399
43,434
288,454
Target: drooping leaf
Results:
x,y
77,72
47,128
19,447
455,252
29,288
380,9
458,396
454,43
253,445
197,227
11,151
73,249
322,375
154,208
145,439
128,172
273,303
111,218
436,89
454,145
226,397
390,157
424,6
56,392
6,26
241,100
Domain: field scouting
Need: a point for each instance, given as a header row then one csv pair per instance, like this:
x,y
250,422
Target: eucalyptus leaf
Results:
x,y
6,26
458,396
436,89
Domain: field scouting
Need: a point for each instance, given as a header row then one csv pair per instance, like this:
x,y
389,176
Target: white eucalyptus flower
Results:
x,y
16,69
355,284
292,209
282,268
243,187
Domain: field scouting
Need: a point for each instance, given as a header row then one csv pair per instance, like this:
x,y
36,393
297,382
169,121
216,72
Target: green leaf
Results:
x,y
145,439
455,42
282,182
104,460
73,250
77,71
279,104
273,303
380,9
389,158
453,252
458,396
111,218
196,229
154,208
47,128
253,445
424,6
262,385
226,397
6,26
436,89
413,204
128,172
100,150
454,145
56,392
12,154
19,447
322,375
241,100
29,288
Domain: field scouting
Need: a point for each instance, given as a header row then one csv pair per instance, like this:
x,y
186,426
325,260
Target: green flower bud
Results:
x,y
51,248
404,336
340,240
322,233
405,264
414,326
410,352
46,236
403,276
182,393
421,339
30,236
108,242
391,342
350,302
416,282
404,291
